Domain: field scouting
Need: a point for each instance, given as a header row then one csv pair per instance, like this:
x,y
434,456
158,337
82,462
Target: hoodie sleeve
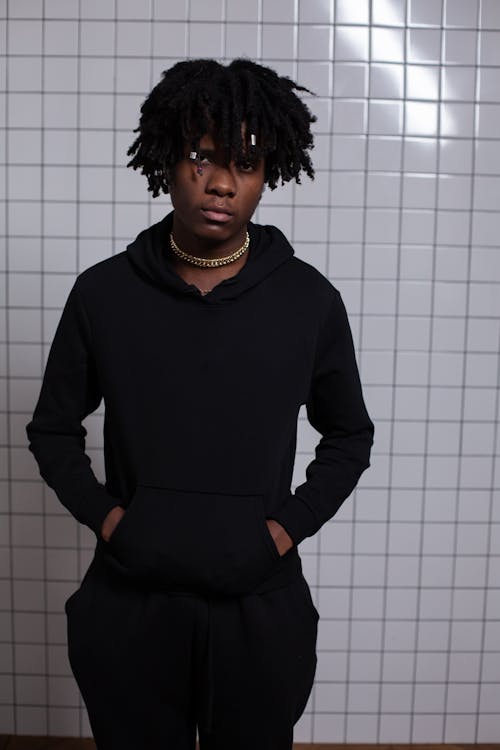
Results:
x,y
70,392
336,409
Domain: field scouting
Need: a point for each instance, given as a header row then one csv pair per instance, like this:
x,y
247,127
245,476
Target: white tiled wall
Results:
x,y
404,218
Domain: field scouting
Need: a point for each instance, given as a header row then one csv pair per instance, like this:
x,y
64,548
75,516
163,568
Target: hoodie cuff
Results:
x,y
96,507
296,518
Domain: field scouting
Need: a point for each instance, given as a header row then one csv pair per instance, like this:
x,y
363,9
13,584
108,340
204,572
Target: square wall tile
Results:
x,y
396,698
348,12
422,82
388,14
386,81
395,728
462,726
351,43
60,37
489,727
31,720
316,12
360,727
424,45
128,9
490,14
387,44
25,36
315,42
458,13
363,697
28,9
459,83
420,155
99,9
348,152
202,11
489,48
385,118
347,189
64,722
425,12
242,39
421,118
97,37
460,47
277,42
24,74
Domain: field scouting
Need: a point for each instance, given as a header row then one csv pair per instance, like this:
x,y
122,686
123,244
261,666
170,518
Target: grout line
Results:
x,y
42,276
422,551
78,267
467,348
395,350
10,499
353,529
460,427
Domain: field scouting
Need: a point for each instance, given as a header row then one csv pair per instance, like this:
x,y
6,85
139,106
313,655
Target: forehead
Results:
x,y
210,141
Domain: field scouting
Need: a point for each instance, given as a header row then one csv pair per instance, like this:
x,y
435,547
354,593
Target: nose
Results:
x,y
221,181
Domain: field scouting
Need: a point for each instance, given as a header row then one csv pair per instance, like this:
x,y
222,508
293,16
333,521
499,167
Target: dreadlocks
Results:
x,y
199,96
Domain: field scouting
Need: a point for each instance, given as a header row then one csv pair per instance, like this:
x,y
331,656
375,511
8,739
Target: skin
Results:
x,y
224,185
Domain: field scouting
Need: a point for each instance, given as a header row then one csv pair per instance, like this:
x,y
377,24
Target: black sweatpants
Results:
x,y
153,666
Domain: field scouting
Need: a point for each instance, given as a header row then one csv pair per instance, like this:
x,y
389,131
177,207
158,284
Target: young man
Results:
x,y
204,338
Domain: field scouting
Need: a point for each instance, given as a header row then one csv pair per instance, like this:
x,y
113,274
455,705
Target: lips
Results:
x,y
215,213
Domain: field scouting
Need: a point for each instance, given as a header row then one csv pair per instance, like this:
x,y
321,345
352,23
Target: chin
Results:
x,y
224,231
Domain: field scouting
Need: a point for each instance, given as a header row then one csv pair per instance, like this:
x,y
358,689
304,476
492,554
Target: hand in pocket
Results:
x,y
282,540
187,538
111,521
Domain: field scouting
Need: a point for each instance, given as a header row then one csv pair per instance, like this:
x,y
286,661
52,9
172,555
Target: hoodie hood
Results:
x,y
148,254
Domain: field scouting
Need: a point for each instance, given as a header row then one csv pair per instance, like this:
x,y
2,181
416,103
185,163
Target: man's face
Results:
x,y
216,205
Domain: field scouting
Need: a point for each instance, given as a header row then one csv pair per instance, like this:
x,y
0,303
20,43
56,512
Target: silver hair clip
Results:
x,y
194,156
253,139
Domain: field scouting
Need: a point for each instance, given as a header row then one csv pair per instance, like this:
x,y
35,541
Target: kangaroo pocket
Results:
x,y
202,541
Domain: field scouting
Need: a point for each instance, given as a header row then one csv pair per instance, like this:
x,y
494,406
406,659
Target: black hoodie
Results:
x,y
201,395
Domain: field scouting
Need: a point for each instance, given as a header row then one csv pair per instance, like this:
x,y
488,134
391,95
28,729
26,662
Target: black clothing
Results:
x,y
202,394
154,666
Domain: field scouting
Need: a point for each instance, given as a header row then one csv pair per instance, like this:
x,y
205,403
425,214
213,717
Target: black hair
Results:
x,y
195,97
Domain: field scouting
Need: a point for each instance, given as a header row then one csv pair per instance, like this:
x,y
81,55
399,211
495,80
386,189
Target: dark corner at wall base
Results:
x,y
28,742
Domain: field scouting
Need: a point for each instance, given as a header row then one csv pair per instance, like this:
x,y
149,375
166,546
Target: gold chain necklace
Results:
x,y
209,262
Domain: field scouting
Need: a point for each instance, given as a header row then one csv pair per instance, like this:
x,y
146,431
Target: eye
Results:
x,y
246,166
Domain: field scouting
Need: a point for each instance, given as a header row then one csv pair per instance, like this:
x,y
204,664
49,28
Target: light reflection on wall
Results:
x,y
422,116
